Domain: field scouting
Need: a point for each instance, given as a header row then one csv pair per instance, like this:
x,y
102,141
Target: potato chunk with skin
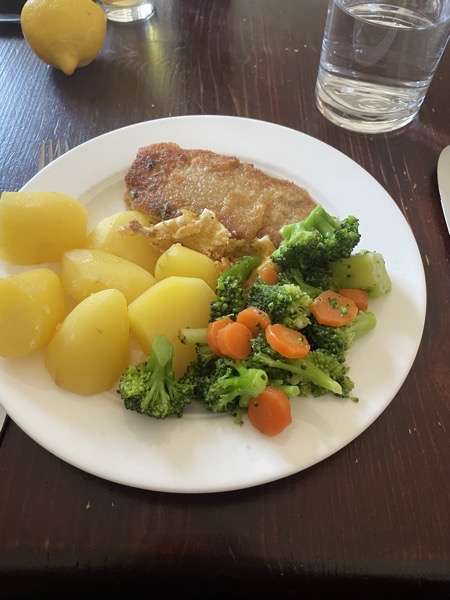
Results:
x,y
84,272
32,304
113,235
170,305
185,262
38,227
90,349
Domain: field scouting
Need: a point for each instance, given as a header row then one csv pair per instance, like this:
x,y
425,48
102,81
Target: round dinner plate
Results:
x,y
202,452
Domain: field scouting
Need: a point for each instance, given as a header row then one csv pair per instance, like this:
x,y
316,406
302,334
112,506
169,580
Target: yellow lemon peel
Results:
x,y
65,34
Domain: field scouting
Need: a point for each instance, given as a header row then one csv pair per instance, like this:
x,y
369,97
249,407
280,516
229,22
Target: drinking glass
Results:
x,y
378,59
127,11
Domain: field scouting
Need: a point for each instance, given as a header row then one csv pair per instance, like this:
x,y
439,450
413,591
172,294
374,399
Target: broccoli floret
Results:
x,y
335,368
314,374
294,276
227,386
338,340
315,241
285,303
204,356
230,293
151,387
365,270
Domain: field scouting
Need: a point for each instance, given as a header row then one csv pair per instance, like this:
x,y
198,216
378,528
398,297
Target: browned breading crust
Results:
x,y
165,179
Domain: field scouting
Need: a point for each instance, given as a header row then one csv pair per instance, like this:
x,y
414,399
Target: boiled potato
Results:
x,y
171,304
90,349
32,304
111,235
38,227
185,262
84,272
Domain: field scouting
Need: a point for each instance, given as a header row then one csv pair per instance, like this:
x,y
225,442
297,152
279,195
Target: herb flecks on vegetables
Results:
x,y
288,333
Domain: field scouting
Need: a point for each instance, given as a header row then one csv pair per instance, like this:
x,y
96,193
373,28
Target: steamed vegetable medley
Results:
x,y
250,339
276,330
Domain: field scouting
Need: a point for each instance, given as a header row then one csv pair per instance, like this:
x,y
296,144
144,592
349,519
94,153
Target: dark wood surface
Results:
x,y
372,519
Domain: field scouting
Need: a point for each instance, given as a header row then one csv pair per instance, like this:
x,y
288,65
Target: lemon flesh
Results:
x,y
65,34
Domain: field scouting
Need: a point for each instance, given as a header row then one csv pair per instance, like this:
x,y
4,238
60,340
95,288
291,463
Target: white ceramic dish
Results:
x,y
202,452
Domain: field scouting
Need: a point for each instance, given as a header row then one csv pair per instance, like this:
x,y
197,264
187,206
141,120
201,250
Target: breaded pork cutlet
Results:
x,y
165,179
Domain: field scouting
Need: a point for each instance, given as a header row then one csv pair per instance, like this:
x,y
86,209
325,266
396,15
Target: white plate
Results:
x,y
203,452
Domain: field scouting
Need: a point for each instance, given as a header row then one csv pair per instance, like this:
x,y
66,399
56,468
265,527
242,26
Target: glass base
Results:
x,y
347,122
120,14
358,109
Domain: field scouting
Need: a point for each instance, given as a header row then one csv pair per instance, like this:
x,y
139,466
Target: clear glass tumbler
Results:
x,y
378,59
127,11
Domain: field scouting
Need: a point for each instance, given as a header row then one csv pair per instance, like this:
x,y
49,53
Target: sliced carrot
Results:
x,y
330,308
270,411
233,341
268,274
287,342
359,297
254,318
211,333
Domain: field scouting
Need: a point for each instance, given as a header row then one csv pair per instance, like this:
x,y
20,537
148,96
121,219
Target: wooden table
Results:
x,y
373,518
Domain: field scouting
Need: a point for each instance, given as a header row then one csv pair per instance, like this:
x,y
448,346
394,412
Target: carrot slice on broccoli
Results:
x,y
330,308
211,333
287,342
233,341
270,411
359,297
254,318
268,274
